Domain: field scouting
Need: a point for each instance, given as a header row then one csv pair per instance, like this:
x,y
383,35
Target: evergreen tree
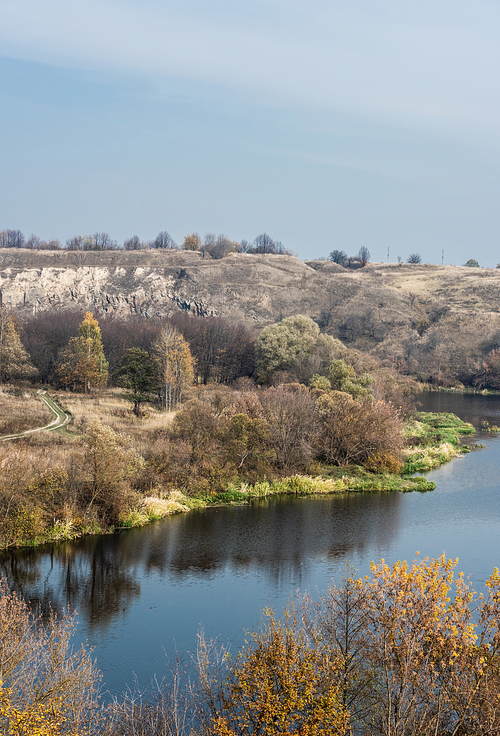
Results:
x,y
138,374
14,360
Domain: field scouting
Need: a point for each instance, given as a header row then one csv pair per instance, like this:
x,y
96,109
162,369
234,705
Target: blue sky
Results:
x,y
326,124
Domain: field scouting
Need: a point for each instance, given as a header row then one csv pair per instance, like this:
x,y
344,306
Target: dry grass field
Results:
x,y
21,409
112,408
43,450
45,475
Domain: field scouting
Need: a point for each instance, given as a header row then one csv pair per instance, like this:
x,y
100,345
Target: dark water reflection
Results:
x,y
100,577
143,593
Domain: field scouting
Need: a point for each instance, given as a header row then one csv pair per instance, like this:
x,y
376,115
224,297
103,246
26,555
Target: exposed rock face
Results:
x,y
392,310
152,284
254,289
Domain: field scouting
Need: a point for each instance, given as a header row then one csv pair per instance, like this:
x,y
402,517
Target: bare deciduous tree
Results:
x,y
34,242
133,243
164,241
15,239
103,241
355,431
265,244
75,243
223,350
338,256
218,246
291,416
364,255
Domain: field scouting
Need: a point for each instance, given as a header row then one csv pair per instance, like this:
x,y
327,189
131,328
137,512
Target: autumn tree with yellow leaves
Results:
x,y
280,683
409,650
36,719
175,365
46,688
420,649
82,365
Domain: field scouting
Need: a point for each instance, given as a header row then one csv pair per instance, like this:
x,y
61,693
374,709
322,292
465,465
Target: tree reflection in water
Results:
x,y
100,577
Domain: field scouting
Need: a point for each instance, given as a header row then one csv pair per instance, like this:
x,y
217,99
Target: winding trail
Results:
x,y
60,420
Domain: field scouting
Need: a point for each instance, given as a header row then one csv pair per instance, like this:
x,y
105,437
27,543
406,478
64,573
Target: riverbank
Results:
x,y
153,508
433,439
459,389
349,481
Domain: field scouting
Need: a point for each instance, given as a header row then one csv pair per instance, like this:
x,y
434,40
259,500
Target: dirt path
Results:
x,y
61,418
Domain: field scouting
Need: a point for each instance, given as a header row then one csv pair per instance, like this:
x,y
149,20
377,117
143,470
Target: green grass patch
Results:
x,y
432,428
433,439
61,531
335,480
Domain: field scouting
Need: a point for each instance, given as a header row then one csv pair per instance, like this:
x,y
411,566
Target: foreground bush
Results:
x,y
46,688
410,650
280,683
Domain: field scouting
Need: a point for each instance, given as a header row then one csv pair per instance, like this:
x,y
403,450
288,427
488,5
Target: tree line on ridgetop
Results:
x,y
216,246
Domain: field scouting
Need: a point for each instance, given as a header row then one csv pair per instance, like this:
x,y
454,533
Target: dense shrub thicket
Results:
x,y
225,444
221,436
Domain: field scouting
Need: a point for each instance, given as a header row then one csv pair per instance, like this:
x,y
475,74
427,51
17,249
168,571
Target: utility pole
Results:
x,y
388,248
442,258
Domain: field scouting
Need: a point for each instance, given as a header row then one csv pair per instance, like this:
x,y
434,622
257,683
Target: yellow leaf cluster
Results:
x,y
35,719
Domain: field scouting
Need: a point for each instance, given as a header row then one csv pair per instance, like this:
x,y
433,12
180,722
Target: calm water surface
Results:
x,y
144,594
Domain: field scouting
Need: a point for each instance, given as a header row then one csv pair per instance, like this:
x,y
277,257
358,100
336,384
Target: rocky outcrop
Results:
x,y
254,289
389,309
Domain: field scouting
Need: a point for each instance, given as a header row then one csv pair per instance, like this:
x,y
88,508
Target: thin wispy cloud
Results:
x,y
429,63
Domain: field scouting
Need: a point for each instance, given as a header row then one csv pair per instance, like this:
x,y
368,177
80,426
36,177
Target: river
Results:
x,y
142,595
